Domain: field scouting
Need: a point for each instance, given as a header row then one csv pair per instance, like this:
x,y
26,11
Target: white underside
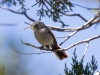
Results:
x,y
44,38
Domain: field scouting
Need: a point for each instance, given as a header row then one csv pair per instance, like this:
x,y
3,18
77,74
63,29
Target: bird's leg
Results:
x,y
48,47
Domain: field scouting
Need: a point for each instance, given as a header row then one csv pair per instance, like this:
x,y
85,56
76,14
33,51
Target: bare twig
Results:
x,y
18,9
61,29
85,26
80,16
68,37
41,48
35,3
57,28
86,7
27,23
7,24
24,13
83,41
85,51
89,23
30,53
29,44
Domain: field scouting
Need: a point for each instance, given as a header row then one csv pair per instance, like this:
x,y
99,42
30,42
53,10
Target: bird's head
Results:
x,y
37,25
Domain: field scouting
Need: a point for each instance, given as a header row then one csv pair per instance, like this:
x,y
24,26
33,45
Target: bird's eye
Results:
x,y
36,25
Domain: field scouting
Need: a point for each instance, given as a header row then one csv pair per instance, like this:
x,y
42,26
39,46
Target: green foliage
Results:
x,y
78,68
51,8
2,70
8,2
20,3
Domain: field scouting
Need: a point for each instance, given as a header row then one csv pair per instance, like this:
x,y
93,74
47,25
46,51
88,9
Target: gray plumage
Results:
x,y
47,39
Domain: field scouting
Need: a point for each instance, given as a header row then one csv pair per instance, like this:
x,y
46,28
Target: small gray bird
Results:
x,y
47,39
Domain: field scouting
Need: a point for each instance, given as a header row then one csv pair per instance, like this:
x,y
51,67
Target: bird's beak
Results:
x,y
32,27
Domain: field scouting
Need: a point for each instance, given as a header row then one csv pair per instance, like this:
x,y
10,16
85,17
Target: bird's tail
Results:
x,y
61,54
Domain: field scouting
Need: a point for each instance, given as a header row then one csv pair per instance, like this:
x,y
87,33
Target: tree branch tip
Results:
x,y
21,41
27,23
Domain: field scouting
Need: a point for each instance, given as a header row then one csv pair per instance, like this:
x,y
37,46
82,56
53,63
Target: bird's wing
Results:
x,y
54,39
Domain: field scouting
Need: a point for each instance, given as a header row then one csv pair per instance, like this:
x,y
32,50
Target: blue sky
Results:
x,y
44,64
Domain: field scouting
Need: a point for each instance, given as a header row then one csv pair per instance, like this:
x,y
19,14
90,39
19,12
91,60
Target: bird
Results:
x,y
47,39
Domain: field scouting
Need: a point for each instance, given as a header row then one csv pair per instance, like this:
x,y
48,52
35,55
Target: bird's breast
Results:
x,y
43,37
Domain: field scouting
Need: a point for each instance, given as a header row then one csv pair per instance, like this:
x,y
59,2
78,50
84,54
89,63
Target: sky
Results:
x,y
44,64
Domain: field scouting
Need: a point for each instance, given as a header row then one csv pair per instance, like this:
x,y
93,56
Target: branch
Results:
x,y
7,24
85,26
83,41
41,48
23,13
80,16
68,37
61,29
35,3
56,28
88,24
86,7
30,53
85,51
